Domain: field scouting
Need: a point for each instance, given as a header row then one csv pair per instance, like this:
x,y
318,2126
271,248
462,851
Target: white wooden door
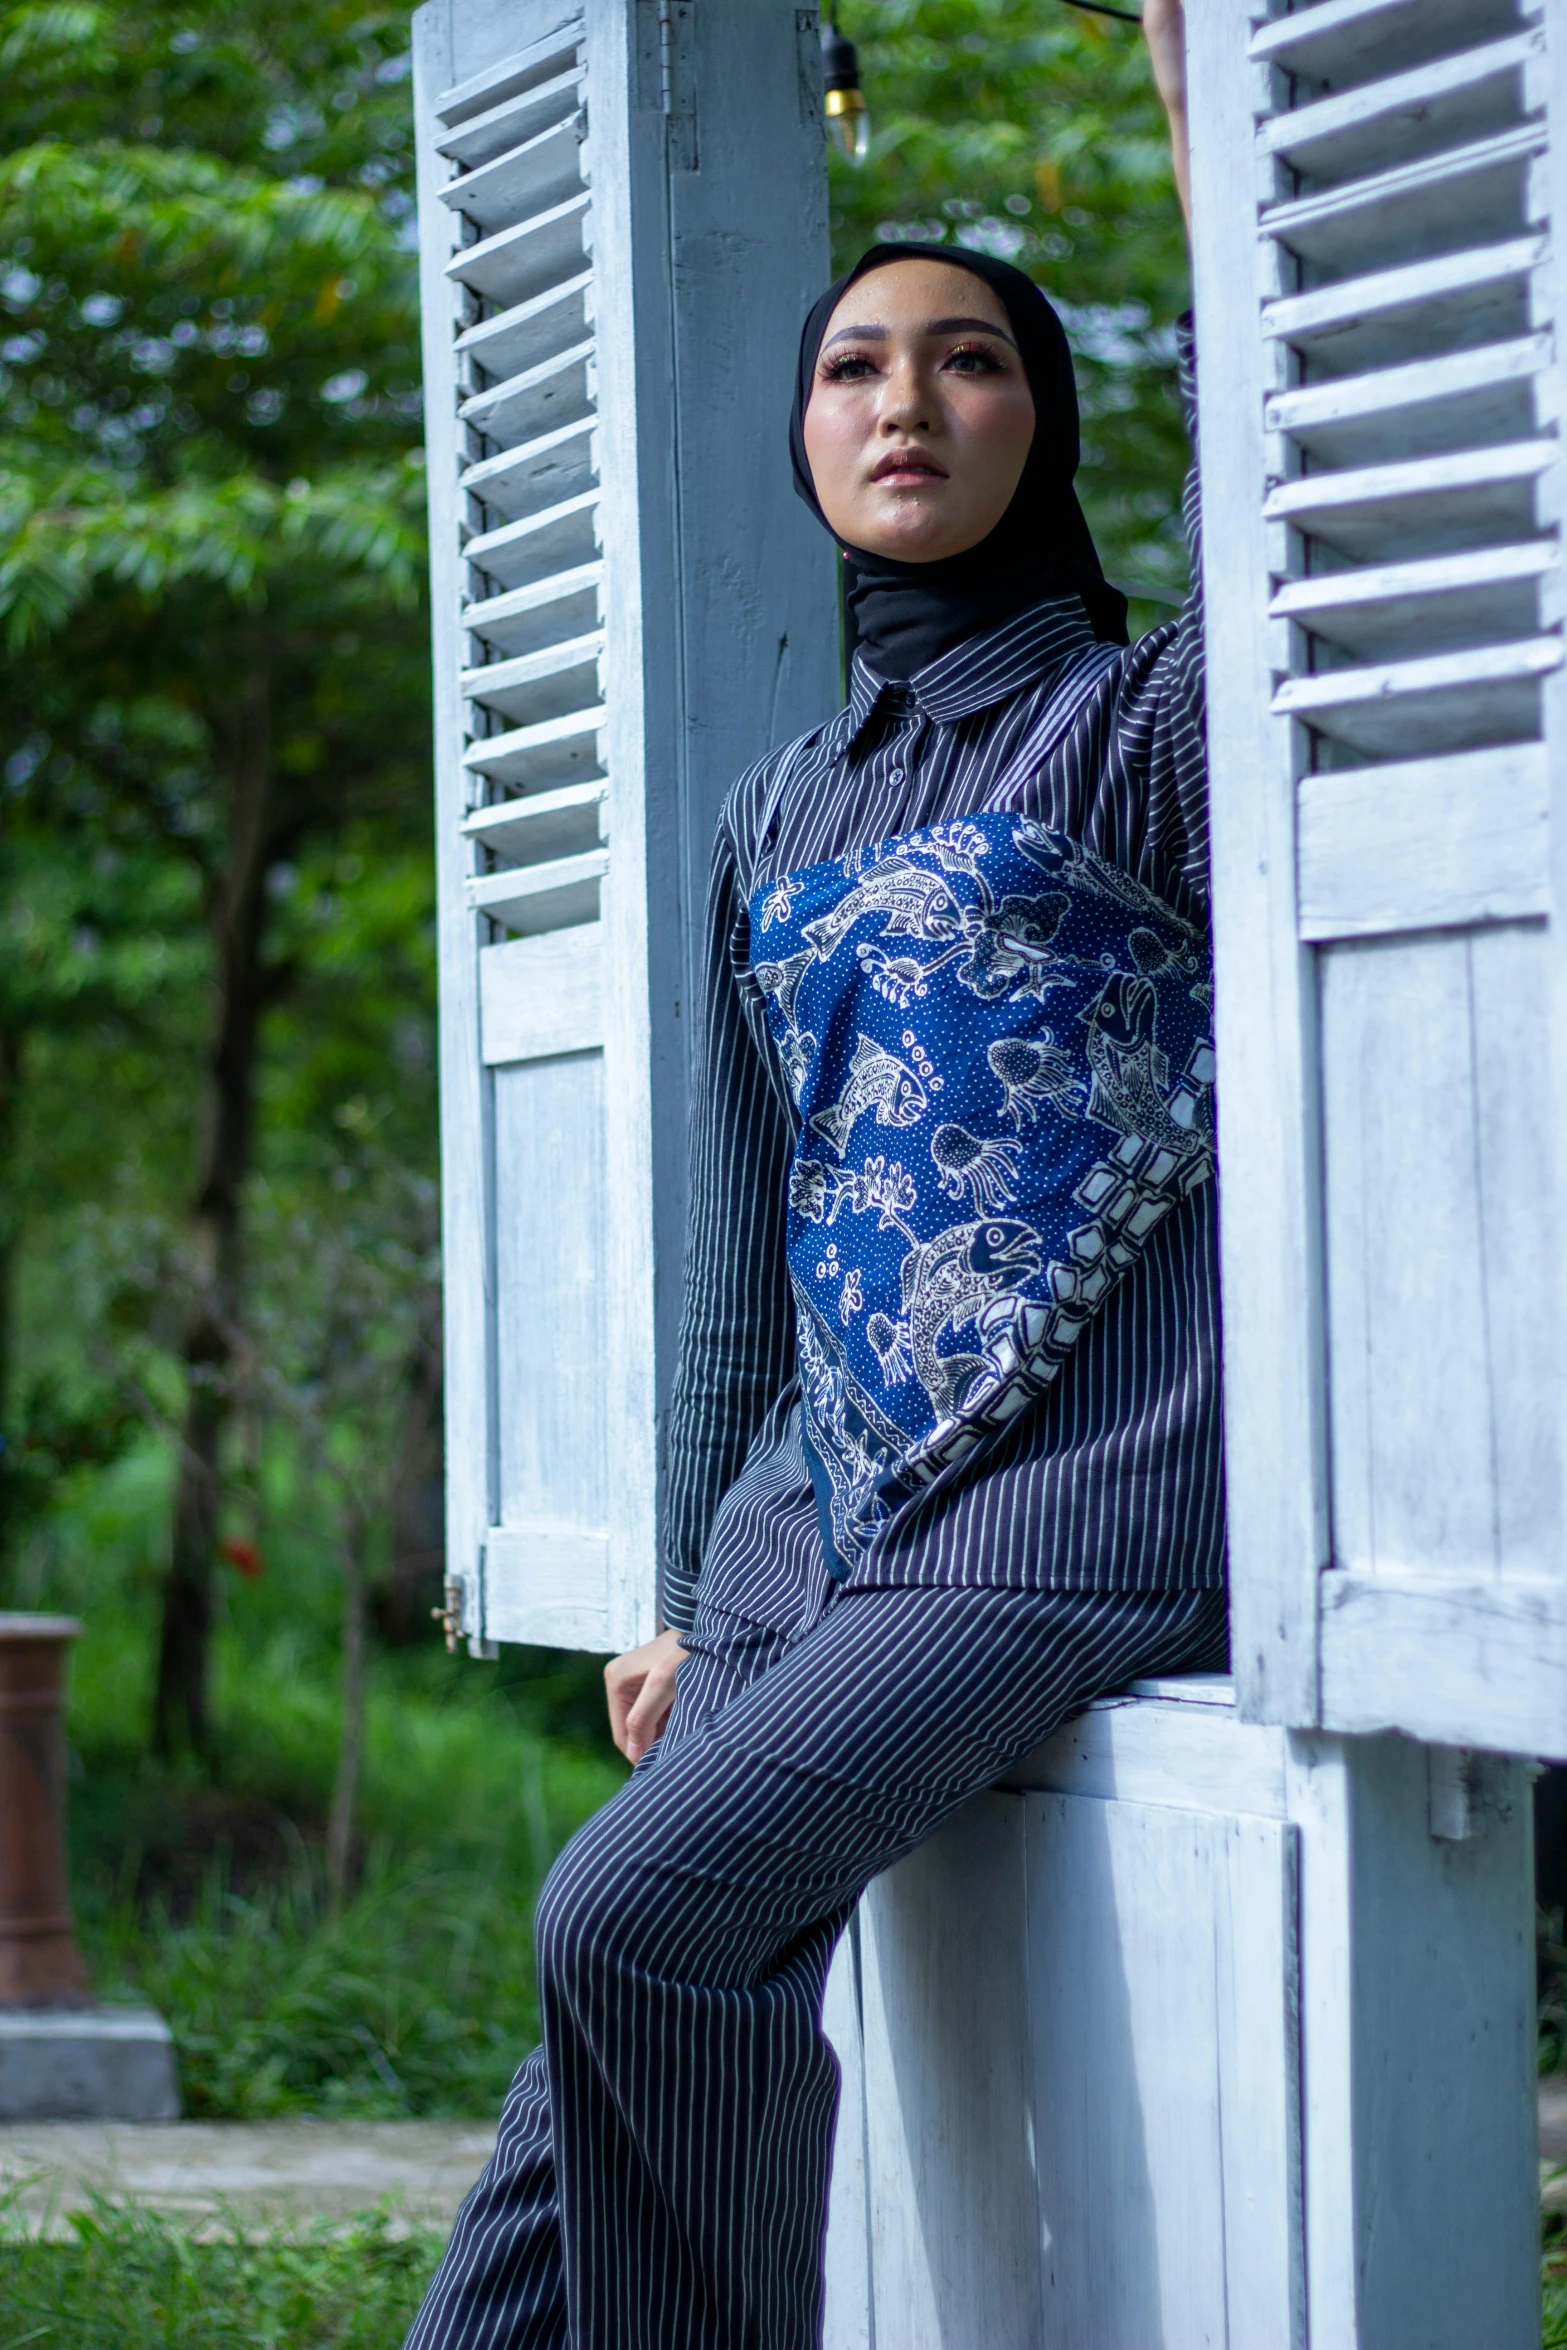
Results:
x,y
622,216
1379,310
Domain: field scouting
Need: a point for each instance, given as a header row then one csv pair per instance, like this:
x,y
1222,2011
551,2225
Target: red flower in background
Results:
x,y
244,1557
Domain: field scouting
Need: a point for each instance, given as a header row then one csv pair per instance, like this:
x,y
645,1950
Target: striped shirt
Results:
x,y
1114,1480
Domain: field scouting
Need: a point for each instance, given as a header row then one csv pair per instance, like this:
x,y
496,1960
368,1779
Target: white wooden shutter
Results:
x,y
622,216
1379,312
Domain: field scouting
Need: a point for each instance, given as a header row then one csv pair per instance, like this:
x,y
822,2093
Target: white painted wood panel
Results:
x,y
1413,1393
1445,1332
1195,1756
1440,103
551,1307
1477,1662
542,996
545,1585
1428,844
1476,190
636,525
1475,596
1522,1241
1320,1779
955,2245
846,2258
1333,43
1256,1936
1452,702
1161,1992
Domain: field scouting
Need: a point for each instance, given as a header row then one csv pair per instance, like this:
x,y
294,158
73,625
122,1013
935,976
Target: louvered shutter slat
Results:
x,y
1382,489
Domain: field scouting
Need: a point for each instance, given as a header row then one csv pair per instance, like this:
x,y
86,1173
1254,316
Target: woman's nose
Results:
x,y
906,404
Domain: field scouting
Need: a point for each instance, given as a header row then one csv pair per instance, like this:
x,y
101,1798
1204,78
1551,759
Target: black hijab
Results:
x,y
908,614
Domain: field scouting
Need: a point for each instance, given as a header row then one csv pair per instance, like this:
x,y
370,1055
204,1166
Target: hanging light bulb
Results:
x,y
846,110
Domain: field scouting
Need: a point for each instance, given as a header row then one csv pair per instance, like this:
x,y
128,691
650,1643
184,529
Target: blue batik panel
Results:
x,y
1000,1049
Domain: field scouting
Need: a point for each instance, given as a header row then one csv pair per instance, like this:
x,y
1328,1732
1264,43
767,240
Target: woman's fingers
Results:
x,y
651,1711
640,1687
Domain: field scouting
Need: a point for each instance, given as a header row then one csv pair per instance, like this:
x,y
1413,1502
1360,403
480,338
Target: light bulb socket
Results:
x,y
840,70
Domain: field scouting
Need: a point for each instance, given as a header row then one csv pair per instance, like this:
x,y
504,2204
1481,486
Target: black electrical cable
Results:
x,y
1098,8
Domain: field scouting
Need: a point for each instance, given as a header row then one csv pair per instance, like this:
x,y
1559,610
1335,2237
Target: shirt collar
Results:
x,y
1024,651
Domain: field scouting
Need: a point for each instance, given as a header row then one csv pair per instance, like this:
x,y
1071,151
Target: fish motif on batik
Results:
x,y
877,1081
907,987
907,899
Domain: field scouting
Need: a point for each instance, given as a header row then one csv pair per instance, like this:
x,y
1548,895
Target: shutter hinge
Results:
x,y
451,1614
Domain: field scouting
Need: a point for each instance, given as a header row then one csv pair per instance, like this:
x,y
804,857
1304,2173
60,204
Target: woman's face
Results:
x,y
920,416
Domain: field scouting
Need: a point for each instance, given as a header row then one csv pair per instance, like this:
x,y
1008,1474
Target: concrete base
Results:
x,y
86,2064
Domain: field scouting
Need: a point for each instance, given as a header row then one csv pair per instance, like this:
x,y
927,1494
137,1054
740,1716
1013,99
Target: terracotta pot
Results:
x,y
40,1965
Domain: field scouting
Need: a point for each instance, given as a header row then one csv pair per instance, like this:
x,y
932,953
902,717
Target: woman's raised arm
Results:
x,y
1164,28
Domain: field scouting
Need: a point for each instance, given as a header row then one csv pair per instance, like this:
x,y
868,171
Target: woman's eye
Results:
x,y
849,368
975,359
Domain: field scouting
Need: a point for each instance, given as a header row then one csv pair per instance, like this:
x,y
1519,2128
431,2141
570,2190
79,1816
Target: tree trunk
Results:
x,y
345,1786
238,919
10,1095
417,1570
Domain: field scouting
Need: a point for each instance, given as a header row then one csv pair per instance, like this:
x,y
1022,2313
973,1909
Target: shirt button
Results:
x,y
896,775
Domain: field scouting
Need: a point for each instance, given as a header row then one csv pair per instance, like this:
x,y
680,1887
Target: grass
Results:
x,y
129,2279
201,1889
209,1900
1553,2283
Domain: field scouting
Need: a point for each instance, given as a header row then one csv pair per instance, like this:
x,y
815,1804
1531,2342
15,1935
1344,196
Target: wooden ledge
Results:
x,y
1174,1742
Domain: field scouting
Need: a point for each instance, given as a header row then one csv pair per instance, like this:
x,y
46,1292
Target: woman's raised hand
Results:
x,y
1164,29
641,1690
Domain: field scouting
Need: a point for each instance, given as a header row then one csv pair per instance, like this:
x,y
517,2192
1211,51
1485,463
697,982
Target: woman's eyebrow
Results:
x,y
932,326
969,326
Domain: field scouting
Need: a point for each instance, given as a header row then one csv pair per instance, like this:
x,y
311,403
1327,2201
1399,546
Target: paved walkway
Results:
x,y
271,2173
281,2173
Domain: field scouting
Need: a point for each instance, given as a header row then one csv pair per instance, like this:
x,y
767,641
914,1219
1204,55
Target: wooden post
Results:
x,y
40,1964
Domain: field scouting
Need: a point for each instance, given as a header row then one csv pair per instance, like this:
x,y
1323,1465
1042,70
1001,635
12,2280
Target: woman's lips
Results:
x,y
908,465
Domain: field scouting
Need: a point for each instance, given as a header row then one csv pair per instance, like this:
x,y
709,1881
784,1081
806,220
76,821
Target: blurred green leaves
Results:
x,y
64,533
211,553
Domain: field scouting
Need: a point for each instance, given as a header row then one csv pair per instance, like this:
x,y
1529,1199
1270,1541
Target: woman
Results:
x,y
945,1446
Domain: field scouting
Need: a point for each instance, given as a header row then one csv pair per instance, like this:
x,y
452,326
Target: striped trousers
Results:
x,y
659,2181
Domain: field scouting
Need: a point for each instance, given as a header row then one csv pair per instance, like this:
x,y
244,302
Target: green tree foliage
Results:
x,y
211,548
1032,131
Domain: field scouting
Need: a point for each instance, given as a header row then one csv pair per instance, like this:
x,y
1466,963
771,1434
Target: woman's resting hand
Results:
x,y
641,1688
